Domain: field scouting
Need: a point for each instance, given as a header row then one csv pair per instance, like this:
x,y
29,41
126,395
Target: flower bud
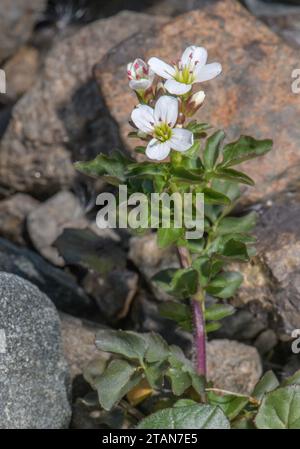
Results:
x,y
194,103
140,75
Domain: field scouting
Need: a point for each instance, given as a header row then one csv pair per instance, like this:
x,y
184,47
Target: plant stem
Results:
x,y
197,304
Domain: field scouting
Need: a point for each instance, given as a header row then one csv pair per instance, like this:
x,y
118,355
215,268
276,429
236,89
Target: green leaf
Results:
x,y
146,169
225,284
292,380
118,378
280,409
231,225
180,380
113,166
197,416
217,312
235,250
178,312
231,404
126,343
230,189
197,128
243,149
212,149
213,326
183,174
154,373
181,283
267,383
158,350
168,236
233,175
140,149
213,197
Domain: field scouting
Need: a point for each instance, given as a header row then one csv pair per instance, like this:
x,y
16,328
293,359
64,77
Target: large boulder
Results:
x,y
17,19
34,390
64,111
58,285
252,96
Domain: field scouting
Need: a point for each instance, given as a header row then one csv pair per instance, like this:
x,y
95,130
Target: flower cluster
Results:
x,y
166,99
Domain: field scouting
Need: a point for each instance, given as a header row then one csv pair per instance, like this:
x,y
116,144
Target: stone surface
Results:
x,y
233,366
46,222
113,291
64,111
253,95
21,71
17,19
78,338
13,213
33,372
149,260
59,286
272,281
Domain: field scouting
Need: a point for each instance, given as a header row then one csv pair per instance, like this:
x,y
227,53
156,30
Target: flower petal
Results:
x,y
194,54
182,139
142,84
161,68
142,117
208,72
177,88
166,110
158,150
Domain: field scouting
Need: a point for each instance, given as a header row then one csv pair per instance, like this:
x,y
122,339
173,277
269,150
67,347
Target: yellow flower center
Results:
x,y
163,132
185,75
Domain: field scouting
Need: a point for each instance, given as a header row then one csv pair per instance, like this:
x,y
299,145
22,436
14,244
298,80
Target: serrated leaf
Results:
x,y
157,348
116,381
212,149
217,312
181,283
180,380
280,409
231,225
213,197
126,343
231,404
267,383
178,312
113,166
243,149
197,416
225,284
233,175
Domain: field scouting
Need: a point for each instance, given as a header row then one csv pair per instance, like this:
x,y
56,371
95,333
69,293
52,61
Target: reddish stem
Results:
x,y
198,320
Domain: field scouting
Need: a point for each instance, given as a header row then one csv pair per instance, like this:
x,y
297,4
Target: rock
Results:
x,y
21,71
46,222
233,366
33,373
113,292
63,111
17,20
59,286
13,213
149,259
78,337
266,341
257,68
272,281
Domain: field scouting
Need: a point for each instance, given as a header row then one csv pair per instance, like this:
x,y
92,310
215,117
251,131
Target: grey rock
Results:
x,y
17,19
78,338
266,341
33,373
150,259
13,213
233,366
63,110
59,286
46,222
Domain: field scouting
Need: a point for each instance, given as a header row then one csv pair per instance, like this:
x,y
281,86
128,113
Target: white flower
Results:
x,y
160,124
140,75
190,69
